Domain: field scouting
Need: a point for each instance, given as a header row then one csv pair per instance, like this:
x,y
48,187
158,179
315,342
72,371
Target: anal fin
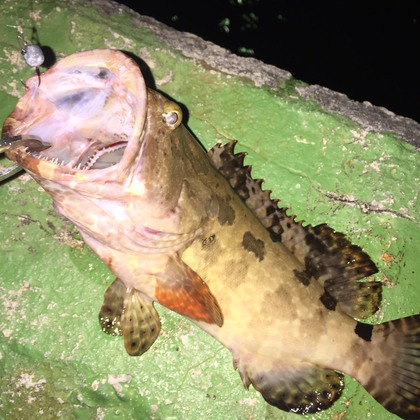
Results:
x,y
301,388
125,312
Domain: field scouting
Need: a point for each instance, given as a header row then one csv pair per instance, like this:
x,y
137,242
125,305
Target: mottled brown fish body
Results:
x,y
195,232
261,297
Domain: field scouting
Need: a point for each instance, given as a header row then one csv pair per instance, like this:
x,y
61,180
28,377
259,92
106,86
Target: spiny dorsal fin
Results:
x,y
326,255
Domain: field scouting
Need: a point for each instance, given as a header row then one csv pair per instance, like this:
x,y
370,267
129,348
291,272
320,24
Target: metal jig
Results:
x,y
31,53
34,57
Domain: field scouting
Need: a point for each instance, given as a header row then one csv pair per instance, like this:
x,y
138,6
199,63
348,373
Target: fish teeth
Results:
x,y
72,164
53,160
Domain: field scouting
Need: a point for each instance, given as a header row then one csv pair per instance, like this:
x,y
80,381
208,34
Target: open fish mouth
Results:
x,y
86,109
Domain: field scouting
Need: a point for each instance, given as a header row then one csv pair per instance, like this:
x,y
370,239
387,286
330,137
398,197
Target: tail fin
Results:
x,y
394,371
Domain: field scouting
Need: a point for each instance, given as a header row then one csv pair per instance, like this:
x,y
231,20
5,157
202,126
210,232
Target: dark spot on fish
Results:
x,y
364,331
315,244
226,213
302,276
275,230
270,210
325,394
208,241
254,245
335,386
103,73
274,236
313,270
328,301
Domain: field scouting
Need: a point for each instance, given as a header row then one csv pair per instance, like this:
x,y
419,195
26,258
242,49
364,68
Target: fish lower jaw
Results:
x,y
99,157
96,156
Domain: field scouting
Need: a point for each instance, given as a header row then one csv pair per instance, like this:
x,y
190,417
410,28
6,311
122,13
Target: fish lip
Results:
x,y
114,67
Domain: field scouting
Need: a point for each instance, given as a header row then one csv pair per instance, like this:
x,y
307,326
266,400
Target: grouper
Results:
x,y
195,232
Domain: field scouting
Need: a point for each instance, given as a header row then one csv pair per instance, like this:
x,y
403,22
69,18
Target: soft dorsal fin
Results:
x,y
326,255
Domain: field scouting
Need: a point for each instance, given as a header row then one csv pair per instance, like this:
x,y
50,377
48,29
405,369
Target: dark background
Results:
x,y
369,51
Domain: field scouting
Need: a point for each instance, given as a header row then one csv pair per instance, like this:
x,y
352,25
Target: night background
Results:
x,y
370,51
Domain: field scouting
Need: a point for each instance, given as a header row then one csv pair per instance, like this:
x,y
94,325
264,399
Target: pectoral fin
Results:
x,y
112,308
125,312
182,290
140,323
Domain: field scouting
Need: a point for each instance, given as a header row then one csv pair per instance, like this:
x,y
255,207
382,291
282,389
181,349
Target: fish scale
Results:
x,y
196,233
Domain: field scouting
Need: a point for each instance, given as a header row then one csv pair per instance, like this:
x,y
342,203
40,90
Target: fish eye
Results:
x,y
171,118
172,115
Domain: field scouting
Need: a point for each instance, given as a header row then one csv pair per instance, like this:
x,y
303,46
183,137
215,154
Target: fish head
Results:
x,y
87,108
111,148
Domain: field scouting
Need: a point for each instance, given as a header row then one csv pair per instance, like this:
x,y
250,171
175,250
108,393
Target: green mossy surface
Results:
x,y
55,361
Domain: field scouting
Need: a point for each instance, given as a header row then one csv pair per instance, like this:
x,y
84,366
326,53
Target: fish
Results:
x,y
194,231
